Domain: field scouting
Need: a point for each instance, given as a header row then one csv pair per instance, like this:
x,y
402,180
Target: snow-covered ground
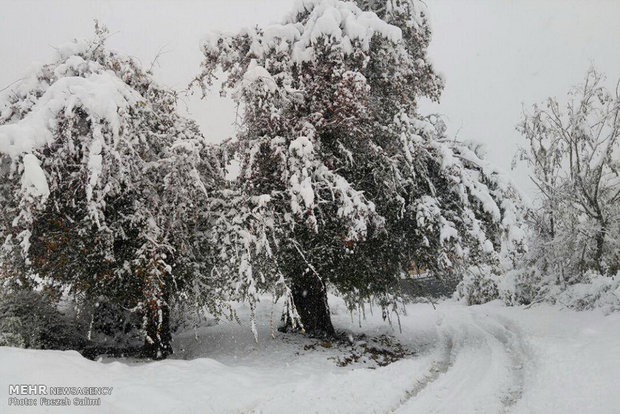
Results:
x,y
480,359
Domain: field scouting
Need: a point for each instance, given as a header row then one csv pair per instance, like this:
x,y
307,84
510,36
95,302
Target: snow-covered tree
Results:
x,y
104,188
574,153
354,186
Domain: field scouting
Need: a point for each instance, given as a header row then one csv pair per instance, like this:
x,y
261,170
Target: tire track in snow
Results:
x,y
481,369
438,367
512,338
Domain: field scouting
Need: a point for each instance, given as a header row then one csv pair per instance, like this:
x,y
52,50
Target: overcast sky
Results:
x,y
495,55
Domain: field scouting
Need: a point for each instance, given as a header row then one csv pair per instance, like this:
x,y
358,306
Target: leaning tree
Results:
x,y
104,190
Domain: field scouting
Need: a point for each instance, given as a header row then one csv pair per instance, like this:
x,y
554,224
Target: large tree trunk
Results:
x,y
158,341
310,298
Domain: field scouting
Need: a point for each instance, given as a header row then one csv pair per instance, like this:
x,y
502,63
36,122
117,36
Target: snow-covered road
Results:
x,y
482,359
480,369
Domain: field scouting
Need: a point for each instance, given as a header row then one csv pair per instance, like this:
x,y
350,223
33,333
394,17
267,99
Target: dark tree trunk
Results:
x,y
600,245
158,341
310,298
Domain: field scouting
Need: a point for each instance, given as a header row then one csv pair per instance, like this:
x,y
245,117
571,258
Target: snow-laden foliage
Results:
x,y
104,187
574,255
574,153
350,185
594,291
526,284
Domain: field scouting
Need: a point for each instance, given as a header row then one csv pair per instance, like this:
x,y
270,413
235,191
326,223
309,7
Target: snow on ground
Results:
x,y
480,359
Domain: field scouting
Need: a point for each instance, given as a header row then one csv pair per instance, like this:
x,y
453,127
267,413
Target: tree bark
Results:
x,y
310,298
158,341
600,245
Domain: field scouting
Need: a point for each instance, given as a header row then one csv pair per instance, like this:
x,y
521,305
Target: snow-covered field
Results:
x,y
480,359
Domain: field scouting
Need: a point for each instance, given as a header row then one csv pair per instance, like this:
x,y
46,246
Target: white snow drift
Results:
x,y
480,359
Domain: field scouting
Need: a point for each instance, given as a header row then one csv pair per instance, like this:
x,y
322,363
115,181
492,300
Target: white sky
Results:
x,y
496,55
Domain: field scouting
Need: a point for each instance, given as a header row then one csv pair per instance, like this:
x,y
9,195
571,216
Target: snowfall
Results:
x,y
457,359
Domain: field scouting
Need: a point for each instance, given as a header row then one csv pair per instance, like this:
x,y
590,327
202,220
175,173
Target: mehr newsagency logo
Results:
x,y
32,395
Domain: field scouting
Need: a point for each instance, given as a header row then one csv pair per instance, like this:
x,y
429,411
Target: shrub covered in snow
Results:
x,y
477,286
527,285
595,291
30,320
